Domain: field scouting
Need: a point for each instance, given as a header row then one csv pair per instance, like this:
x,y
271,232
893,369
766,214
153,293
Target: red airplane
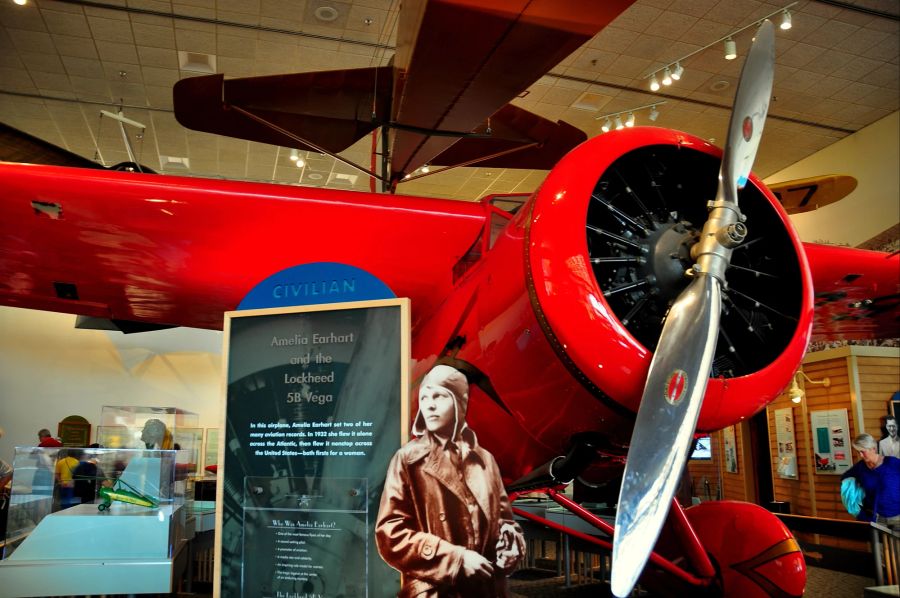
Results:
x,y
555,307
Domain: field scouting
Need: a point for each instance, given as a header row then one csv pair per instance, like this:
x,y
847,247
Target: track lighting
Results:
x,y
674,70
629,121
786,20
730,49
667,77
295,155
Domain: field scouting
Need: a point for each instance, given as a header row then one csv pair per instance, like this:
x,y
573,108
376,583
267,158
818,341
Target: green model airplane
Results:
x,y
111,490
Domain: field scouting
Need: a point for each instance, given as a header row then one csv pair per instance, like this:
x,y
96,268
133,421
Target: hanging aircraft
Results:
x,y
606,317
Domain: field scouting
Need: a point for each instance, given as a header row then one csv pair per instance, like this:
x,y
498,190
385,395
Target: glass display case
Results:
x,y
140,427
120,508
211,448
148,427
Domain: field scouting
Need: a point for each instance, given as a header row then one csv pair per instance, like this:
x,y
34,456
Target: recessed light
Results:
x,y
720,85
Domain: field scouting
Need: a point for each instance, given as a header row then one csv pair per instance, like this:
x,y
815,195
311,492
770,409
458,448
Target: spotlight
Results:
x,y
654,84
425,169
667,77
606,126
796,393
619,124
785,20
679,70
295,155
730,49
630,121
300,162
654,114
21,2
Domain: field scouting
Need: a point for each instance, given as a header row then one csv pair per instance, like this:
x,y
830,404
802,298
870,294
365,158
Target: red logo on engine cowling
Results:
x,y
676,386
747,129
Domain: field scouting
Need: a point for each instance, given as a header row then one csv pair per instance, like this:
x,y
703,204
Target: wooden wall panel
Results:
x,y
879,379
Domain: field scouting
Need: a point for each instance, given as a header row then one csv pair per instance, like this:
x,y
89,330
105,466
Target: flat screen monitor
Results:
x,y
702,448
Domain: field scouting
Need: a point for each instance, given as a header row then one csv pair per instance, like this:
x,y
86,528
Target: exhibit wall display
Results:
x,y
731,464
831,439
315,406
787,448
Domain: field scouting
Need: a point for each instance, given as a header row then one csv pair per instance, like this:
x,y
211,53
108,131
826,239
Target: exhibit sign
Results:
x,y
731,464
787,448
316,404
831,441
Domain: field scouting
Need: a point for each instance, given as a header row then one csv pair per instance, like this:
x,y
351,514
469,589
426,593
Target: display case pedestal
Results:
x,y
82,551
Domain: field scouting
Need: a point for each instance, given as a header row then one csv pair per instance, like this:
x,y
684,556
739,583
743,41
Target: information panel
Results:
x,y
787,450
316,405
831,441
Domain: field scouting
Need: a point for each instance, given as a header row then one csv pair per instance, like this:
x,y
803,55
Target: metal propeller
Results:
x,y
682,362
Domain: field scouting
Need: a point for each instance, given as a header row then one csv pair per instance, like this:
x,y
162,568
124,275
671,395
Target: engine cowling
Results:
x,y
559,318
641,216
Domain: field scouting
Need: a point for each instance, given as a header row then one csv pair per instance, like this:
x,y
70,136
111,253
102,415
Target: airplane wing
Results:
x,y
857,293
457,65
181,251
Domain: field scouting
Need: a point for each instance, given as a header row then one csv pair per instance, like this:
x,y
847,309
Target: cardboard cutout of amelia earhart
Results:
x,y
445,521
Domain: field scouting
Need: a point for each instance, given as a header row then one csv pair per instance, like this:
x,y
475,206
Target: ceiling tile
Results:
x,y
83,67
800,54
195,41
830,33
31,41
66,23
154,36
45,63
117,52
80,47
158,57
111,30
637,17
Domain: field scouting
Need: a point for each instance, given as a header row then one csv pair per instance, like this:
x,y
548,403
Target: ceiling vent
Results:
x,y
174,163
591,101
340,178
195,62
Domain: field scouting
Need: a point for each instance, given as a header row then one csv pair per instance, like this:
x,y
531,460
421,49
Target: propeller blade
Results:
x,y
751,104
679,371
678,376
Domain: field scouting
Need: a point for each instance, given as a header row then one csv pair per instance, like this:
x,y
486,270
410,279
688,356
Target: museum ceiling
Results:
x,y
64,61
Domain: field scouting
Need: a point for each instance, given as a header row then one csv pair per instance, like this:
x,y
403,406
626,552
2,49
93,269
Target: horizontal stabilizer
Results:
x,y
331,109
805,195
513,127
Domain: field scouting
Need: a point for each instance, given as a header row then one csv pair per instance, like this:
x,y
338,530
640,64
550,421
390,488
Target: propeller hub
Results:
x,y
669,257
